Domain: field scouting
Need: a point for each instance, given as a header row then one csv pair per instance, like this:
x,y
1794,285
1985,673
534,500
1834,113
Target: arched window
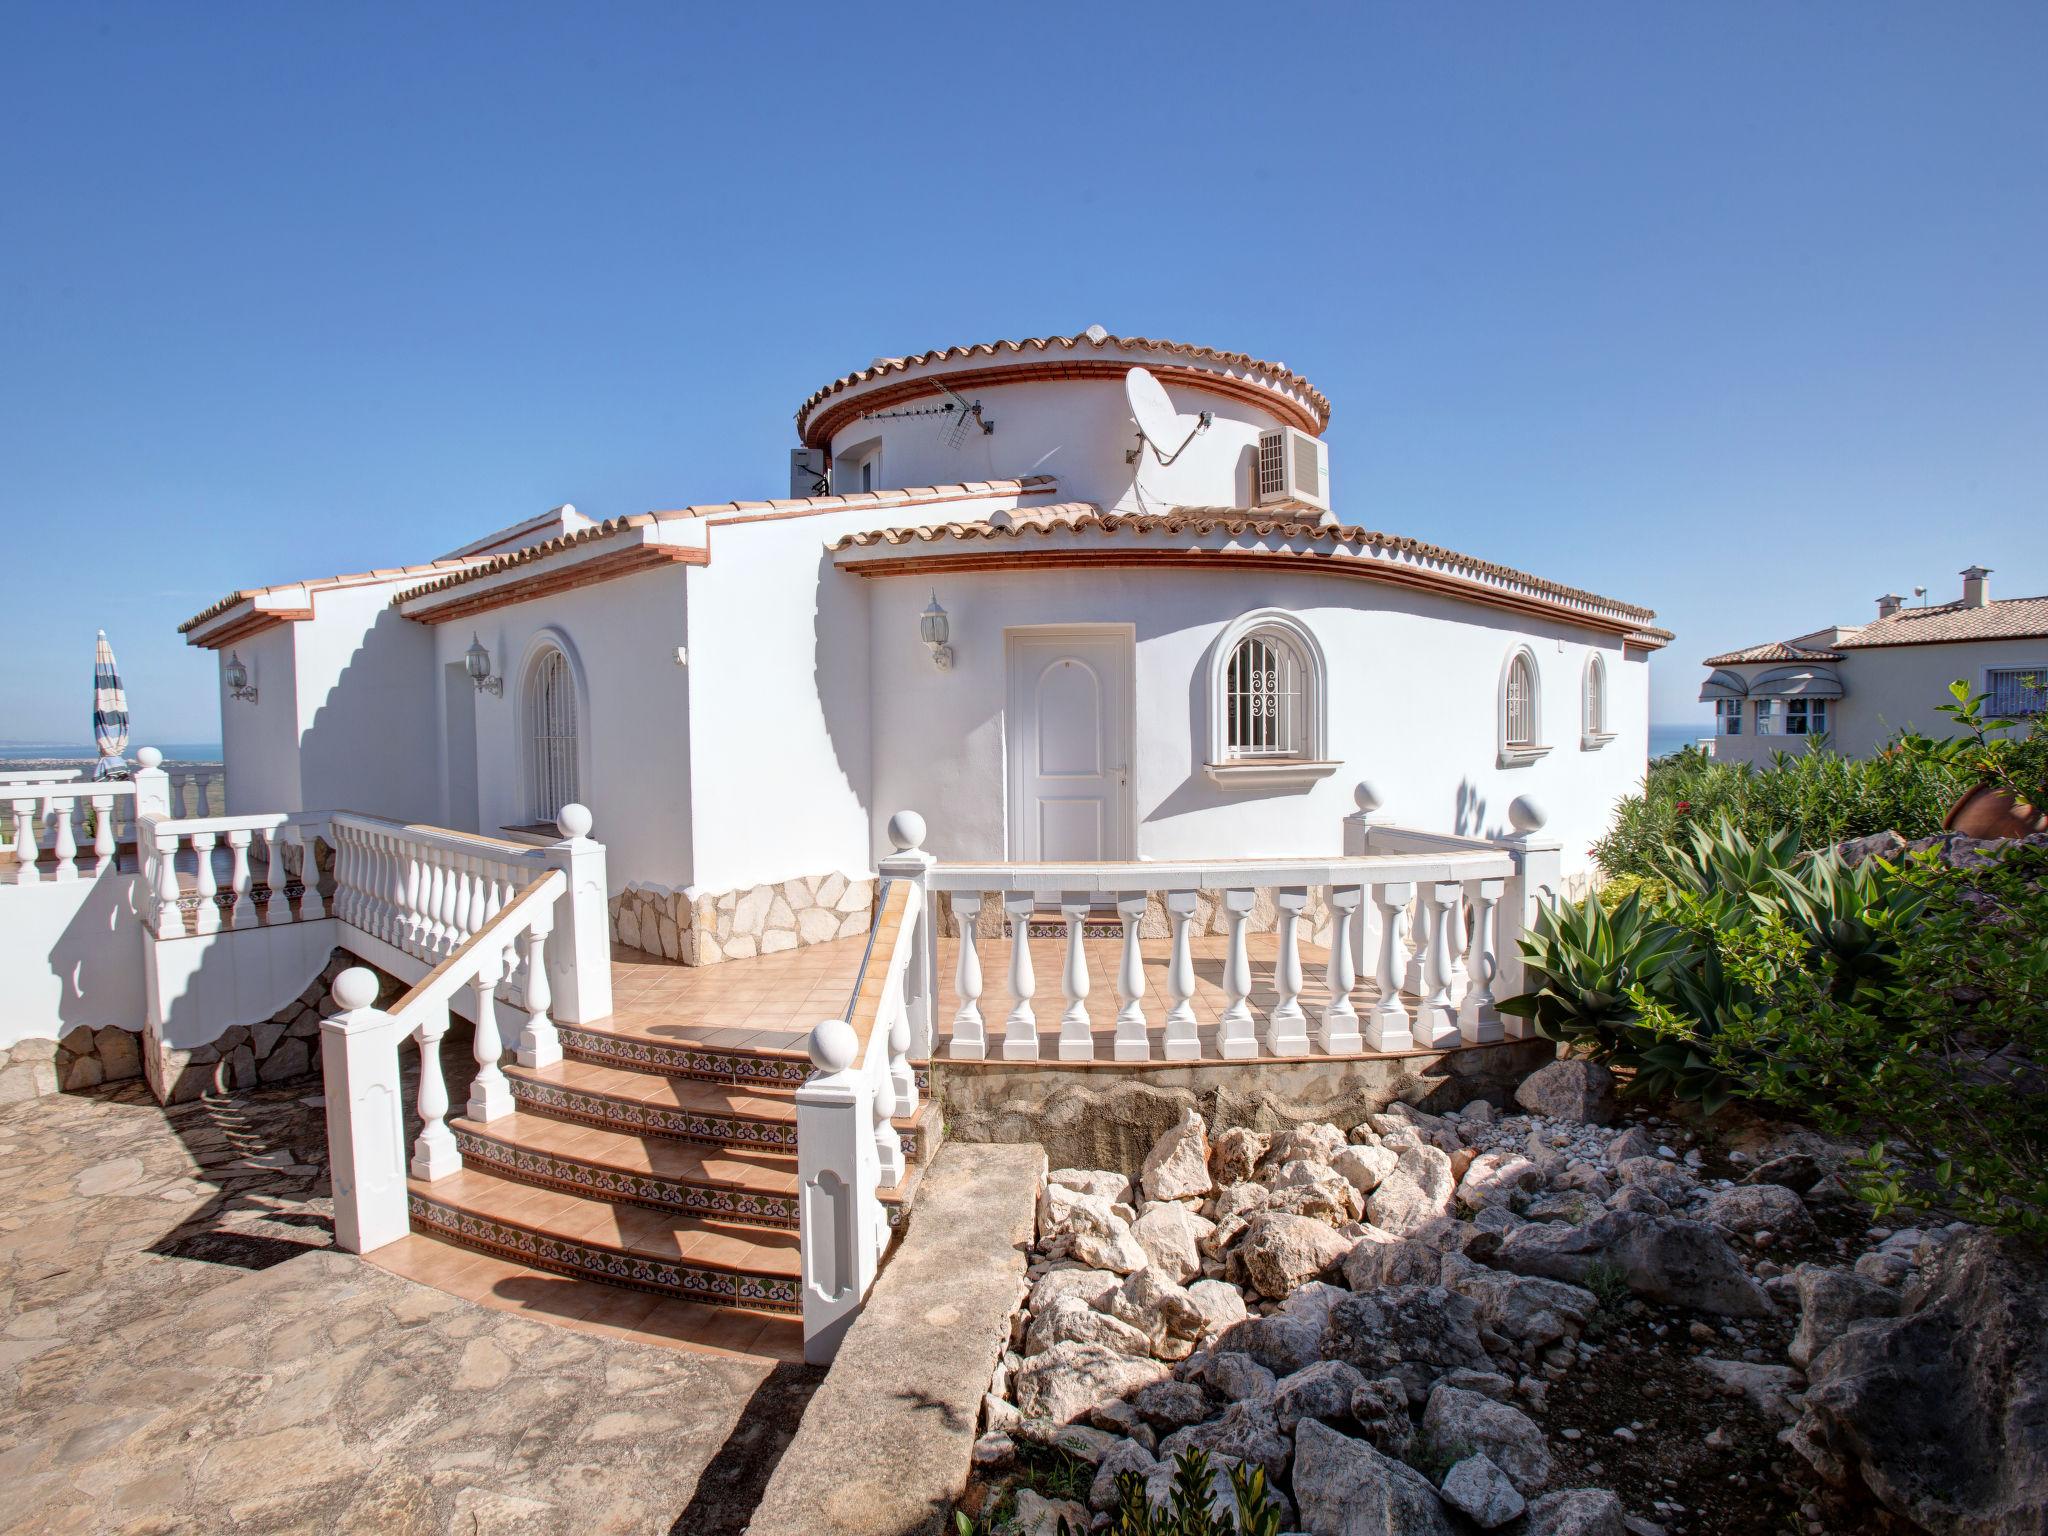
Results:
x,y
1594,732
550,735
1521,710
1267,703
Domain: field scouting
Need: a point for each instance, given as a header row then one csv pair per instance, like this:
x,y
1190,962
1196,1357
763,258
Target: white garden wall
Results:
x,y
70,957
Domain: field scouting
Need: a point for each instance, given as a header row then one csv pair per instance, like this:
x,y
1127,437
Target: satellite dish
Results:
x,y
1153,411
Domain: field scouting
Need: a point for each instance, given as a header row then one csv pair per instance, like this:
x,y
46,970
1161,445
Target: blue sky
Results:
x,y
1739,311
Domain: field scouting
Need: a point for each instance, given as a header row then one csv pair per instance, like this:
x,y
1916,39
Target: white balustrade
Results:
x,y
1182,1042
1479,1020
1133,1041
63,829
1020,1029
1076,1043
1286,1021
970,1033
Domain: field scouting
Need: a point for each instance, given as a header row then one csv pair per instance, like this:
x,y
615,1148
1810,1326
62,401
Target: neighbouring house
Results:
x,y
1859,684
1186,647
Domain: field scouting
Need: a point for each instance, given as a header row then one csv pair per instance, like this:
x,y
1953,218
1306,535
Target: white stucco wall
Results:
x,y
260,741
70,956
1413,680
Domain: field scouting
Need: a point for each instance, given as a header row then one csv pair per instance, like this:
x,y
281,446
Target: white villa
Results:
x,y
715,849
1858,684
1181,649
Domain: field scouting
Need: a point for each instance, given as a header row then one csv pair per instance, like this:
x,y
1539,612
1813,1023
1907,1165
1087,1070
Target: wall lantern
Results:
x,y
477,662
932,628
236,676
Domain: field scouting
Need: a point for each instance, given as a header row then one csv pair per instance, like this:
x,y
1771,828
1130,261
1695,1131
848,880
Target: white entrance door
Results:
x,y
1070,743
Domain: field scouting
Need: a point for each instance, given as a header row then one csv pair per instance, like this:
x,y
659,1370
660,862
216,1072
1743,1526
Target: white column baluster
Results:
x,y
1459,940
1076,1043
103,811
64,838
275,908
1020,1029
415,908
490,1096
473,919
970,1032
205,885
1133,1043
1415,979
1236,1039
434,1154
310,904
1479,1021
1438,1023
170,921
243,913
540,1044
1182,1041
888,1144
434,901
27,842
1287,1024
1388,1030
1338,1033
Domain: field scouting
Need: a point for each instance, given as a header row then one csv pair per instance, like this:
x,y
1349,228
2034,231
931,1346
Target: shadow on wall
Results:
x,y
1469,819
371,746
842,674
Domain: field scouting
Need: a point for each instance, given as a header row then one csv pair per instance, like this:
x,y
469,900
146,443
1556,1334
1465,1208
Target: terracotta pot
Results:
x,y
1988,811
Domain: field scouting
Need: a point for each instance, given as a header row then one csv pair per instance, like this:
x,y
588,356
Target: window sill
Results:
x,y
1516,757
1283,773
1593,741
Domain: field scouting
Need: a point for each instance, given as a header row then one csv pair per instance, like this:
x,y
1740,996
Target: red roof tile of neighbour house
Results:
x,y
1776,650
2005,618
815,422
1252,536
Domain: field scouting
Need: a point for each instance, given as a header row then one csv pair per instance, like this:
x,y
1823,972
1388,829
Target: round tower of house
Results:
x,y
1057,406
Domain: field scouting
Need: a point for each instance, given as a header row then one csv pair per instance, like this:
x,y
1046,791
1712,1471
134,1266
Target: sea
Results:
x,y
1667,739
70,754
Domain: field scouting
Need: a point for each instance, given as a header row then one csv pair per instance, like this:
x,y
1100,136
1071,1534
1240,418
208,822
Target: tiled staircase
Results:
x,y
644,1163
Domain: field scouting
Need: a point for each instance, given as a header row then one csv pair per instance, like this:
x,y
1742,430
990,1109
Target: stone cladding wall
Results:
x,y
737,925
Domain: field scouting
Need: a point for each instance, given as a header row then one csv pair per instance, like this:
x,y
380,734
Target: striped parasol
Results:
x,y
109,714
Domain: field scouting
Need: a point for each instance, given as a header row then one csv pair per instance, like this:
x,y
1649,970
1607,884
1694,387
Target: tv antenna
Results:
x,y
1158,422
954,413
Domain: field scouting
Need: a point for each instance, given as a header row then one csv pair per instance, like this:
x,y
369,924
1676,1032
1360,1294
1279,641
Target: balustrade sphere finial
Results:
x,y
832,1045
1525,814
355,988
1366,798
906,831
148,758
573,820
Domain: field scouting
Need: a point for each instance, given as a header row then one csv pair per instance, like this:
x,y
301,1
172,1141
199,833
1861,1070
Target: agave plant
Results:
x,y
1585,959
1849,913
1722,861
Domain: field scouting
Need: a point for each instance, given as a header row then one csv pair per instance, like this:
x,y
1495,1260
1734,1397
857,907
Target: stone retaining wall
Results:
x,y
84,1058
706,928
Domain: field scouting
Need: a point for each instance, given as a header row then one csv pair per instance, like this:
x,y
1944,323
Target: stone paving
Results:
x,y
183,1351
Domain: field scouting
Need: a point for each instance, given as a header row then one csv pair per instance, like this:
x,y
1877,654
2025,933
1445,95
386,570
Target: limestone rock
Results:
x,y
1246,1432
1415,1191
1281,1251
1497,1178
1320,1391
1380,1409
1751,1208
1482,1493
1577,1512
1315,1142
1072,1320
1113,1187
1346,1488
1796,1171
1664,1258
1070,1379
1238,1378
1235,1155
1124,1456
1177,1167
1282,1344
1415,1332
1063,1209
1768,1388
1222,1305
1091,1285
1171,1235
1040,1516
1456,1422
1831,1302
1523,1308
1222,1496
1381,1259
1942,1412
1171,1405
1668,1181
1365,1166
1114,1249
1167,1317
1570,1089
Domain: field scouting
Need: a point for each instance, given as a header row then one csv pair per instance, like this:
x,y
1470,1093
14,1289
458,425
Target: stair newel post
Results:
x,y
434,1153
1133,1042
1235,1038
1020,1029
1181,1042
1338,1033
1287,1024
540,1044
1479,1021
579,951
1076,1042
1387,1029
1439,1021
920,982
840,1217
152,787
970,1031
1538,877
365,1116
490,1095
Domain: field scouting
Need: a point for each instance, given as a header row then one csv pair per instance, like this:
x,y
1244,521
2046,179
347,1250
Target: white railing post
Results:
x,y
152,786
580,951
490,1095
1020,1029
910,862
540,1043
307,835
1076,1042
163,869
275,908
365,1116
243,913
1287,1024
64,841
1479,1020
434,1153
1536,882
1387,1029
840,1219
1339,1033
1133,1043
104,809
205,885
1358,824
970,1030
1235,1039
1438,1022
28,841
1182,1041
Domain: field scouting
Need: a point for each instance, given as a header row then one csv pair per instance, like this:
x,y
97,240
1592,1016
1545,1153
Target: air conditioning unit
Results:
x,y
1293,467
807,473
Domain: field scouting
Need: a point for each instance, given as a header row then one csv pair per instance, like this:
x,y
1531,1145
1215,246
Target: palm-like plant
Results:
x,y
1587,959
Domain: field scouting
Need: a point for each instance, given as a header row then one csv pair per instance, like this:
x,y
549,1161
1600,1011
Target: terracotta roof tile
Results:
x,y
1776,650
453,563
2006,618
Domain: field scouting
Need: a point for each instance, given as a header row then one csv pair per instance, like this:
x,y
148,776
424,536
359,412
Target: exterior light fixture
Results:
x,y
477,662
236,676
933,628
